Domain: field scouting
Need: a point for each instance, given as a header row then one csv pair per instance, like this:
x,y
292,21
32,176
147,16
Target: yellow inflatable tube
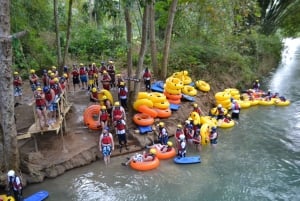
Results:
x,y
222,96
214,111
208,120
161,105
196,117
140,102
156,97
106,93
279,102
202,85
223,124
204,132
189,90
173,91
142,95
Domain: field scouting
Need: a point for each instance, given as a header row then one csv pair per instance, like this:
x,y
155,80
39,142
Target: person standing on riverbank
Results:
x,y
213,136
235,110
106,144
120,126
14,185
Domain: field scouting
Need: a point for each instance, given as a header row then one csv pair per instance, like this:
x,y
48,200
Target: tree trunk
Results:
x,y
129,49
153,39
142,50
58,47
9,153
168,36
68,32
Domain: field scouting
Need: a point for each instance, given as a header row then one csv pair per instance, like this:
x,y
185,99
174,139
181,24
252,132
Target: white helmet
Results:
x,y
181,137
11,173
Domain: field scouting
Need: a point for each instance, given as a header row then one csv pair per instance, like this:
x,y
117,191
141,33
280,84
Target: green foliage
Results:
x,y
90,43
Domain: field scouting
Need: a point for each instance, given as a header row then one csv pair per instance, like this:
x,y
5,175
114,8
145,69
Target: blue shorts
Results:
x,y
52,107
18,91
83,78
106,150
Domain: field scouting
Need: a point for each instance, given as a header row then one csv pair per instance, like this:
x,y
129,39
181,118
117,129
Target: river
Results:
x,y
258,159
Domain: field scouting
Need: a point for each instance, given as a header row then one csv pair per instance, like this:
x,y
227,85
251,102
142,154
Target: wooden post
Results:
x,y
35,144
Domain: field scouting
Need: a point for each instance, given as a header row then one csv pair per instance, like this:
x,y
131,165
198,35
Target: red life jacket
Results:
x,y
95,95
82,71
120,126
48,96
17,81
197,110
40,102
106,139
75,73
15,185
220,111
104,116
147,75
105,78
178,133
123,92
33,76
236,106
117,114
90,72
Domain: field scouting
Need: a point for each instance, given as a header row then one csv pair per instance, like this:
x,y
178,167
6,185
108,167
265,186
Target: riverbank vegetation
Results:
x,y
211,37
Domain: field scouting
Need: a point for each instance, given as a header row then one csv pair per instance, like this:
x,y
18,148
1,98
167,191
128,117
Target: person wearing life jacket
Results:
x,y
120,126
14,186
106,144
17,83
122,94
179,131
188,131
94,95
235,110
33,79
197,109
54,70
147,79
139,158
91,81
95,75
103,67
220,112
227,118
83,76
197,139
267,96
63,81
112,73
119,79
118,112
256,85
162,133
213,136
103,117
162,148
50,103
106,79
40,104
55,85
181,146
45,78
108,104
75,77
